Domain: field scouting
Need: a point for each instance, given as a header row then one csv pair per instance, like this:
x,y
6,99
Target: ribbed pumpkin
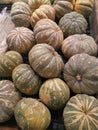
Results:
x,y
81,113
20,14
54,93
30,114
73,23
44,11
79,43
47,31
26,80
62,7
9,97
45,61
8,62
20,39
81,73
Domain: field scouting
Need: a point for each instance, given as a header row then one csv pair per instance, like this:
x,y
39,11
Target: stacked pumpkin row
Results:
x,y
60,57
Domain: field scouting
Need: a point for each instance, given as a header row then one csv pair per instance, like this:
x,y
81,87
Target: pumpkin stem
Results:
x,y
78,77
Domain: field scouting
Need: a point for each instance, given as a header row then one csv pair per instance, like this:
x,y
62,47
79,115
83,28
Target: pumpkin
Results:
x,y
20,14
44,11
79,43
81,73
73,23
26,80
9,97
8,62
20,39
54,93
45,61
62,7
47,31
30,114
81,113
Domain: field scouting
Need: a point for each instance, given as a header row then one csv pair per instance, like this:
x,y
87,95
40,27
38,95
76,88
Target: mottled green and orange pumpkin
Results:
x,y
81,113
26,80
54,93
30,114
9,97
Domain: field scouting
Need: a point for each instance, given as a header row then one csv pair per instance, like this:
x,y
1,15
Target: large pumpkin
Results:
x,y
73,23
54,93
9,97
45,61
81,113
30,114
81,73
79,43
20,39
26,80
47,31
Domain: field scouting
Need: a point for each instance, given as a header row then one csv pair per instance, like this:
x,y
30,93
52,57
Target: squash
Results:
x,y
26,80
20,14
79,43
47,31
45,61
81,113
54,93
73,23
81,73
20,39
9,97
30,114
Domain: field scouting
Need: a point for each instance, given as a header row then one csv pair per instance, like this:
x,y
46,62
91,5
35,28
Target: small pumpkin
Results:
x,y
45,61
81,113
73,23
20,39
9,97
26,80
81,73
30,114
54,93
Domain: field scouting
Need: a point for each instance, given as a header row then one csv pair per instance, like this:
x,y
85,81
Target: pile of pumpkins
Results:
x,y
50,55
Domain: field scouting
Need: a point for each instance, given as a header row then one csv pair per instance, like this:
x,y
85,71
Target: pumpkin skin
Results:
x,y
44,11
73,23
79,43
20,14
81,73
20,39
9,97
81,113
8,62
45,61
35,117
26,80
54,93
47,31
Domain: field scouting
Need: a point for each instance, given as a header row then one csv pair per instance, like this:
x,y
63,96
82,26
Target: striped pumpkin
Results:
x,y
9,97
54,93
81,113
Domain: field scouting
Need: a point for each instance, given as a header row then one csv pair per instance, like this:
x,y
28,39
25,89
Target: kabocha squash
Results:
x,y
20,39
73,23
30,114
44,11
8,62
20,14
45,61
81,73
79,43
47,31
54,93
26,80
81,113
9,97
